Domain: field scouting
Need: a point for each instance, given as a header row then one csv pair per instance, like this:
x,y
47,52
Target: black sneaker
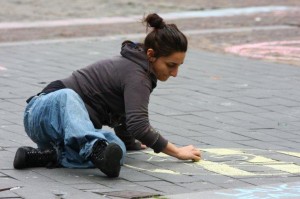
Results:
x,y
106,157
30,157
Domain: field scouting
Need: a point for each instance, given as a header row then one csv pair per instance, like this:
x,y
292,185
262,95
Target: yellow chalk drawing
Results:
x,y
290,153
246,159
289,168
260,160
167,171
223,169
157,154
221,151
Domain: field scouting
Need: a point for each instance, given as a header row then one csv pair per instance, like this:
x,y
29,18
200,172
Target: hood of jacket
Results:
x,y
135,53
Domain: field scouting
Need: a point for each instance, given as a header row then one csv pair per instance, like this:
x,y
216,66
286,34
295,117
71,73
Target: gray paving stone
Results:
x,y
221,143
89,187
8,194
290,179
70,176
228,136
257,144
8,182
285,158
291,145
136,176
280,132
164,186
234,184
182,140
13,129
28,176
199,186
6,160
52,192
215,179
169,128
262,181
257,135
11,139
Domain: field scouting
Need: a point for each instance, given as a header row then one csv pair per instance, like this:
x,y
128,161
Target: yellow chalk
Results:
x,y
166,171
290,153
157,154
221,151
223,169
260,160
289,168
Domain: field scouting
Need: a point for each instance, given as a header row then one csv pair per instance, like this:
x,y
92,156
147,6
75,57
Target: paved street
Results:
x,y
242,113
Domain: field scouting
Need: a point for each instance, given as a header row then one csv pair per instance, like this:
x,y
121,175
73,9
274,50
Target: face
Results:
x,y
164,67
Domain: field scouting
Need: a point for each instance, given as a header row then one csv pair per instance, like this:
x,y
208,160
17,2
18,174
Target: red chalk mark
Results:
x,y
277,50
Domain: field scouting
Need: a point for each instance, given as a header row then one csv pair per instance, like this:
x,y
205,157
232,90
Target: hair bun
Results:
x,y
155,21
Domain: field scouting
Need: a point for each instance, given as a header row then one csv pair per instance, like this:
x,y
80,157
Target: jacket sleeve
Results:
x,y
136,98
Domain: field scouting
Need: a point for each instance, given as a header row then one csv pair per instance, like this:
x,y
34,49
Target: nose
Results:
x,y
174,72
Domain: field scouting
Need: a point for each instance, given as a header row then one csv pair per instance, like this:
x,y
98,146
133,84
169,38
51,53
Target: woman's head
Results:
x,y
165,46
164,39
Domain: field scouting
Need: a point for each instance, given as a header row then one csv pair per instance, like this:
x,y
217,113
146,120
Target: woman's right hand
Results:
x,y
183,153
188,153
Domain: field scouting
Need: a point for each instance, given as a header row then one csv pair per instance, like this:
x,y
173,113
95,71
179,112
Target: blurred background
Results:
x,y
263,29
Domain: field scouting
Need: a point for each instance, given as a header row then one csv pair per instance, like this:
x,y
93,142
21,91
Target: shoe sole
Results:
x,y
20,158
112,157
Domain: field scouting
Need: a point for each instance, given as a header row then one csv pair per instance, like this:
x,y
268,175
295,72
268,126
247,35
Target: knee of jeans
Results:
x,y
68,94
123,147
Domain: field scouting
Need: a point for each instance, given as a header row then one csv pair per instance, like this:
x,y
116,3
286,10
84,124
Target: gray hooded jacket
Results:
x,y
116,92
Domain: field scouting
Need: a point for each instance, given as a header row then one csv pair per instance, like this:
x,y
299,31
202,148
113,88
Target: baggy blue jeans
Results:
x,y
60,120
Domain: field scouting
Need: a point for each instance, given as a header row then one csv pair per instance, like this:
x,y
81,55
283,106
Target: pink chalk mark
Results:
x,y
2,68
278,50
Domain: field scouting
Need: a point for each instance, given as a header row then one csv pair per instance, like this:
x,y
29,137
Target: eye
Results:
x,y
171,65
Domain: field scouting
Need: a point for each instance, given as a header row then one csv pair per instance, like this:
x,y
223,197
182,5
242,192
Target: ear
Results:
x,y
150,55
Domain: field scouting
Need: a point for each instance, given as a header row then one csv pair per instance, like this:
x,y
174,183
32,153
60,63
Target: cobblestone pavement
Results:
x,y
243,114
270,21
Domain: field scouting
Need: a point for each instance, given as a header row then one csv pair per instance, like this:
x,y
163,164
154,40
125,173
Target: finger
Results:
x,y
197,153
195,148
196,158
143,146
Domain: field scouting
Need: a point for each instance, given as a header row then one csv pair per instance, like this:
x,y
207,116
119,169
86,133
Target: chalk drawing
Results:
x,y
290,153
229,162
2,68
259,160
264,192
223,169
167,171
276,50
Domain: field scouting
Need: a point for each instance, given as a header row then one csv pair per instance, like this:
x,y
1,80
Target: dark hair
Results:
x,y
164,39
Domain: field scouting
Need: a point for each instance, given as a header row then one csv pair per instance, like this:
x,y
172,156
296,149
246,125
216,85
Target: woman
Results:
x,y
66,118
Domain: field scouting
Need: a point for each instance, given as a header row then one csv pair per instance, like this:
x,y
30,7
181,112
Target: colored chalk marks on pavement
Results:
x,y
2,68
231,162
276,50
286,190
